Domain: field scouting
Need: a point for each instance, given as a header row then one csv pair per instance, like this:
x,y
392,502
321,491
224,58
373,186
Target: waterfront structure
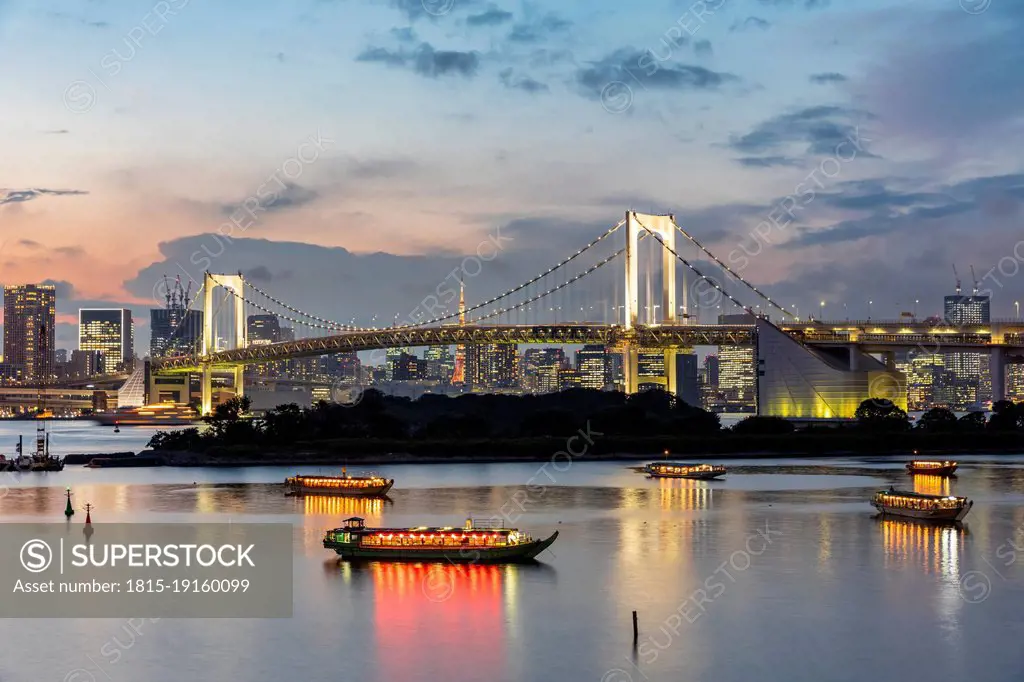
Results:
x,y
591,364
799,381
110,331
29,323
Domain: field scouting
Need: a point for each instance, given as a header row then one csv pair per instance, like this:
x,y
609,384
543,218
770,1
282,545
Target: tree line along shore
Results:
x,y
480,427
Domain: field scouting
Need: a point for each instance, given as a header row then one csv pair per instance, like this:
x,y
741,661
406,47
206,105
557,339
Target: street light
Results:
x,y
869,309
1016,304
821,316
916,301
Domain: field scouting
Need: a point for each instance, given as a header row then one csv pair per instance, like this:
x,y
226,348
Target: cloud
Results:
x,y
829,77
433,10
404,34
702,48
818,129
538,29
425,60
524,83
768,161
291,196
61,131
260,273
72,251
63,289
491,17
631,65
806,4
893,211
30,244
13,196
750,23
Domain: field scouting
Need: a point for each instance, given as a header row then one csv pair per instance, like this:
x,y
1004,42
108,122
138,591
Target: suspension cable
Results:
x,y
731,271
554,289
331,324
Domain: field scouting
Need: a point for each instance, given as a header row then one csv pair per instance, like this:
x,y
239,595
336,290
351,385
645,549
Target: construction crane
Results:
x,y
957,279
973,277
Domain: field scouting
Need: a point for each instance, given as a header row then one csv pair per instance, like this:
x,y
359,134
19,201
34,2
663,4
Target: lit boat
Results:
x,y
894,502
932,468
473,543
703,472
353,486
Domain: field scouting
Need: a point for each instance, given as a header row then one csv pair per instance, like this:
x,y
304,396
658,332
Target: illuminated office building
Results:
x,y
262,330
492,366
591,364
736,380
110,331
29,320
972,382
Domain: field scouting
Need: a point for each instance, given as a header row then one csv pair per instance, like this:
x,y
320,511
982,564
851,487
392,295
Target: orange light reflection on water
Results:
x,y
441,618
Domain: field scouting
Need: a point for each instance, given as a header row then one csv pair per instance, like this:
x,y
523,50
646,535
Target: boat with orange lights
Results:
x,y
894,502
932,468
700,472
476,542
352,486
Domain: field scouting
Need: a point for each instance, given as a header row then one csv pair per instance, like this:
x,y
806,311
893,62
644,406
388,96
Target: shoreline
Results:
x,y
194,460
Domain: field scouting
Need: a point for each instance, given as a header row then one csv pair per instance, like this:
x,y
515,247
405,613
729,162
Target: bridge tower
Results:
x,y
236,285
663,226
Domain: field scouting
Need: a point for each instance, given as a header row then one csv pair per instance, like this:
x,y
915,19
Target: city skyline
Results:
x,y
757,97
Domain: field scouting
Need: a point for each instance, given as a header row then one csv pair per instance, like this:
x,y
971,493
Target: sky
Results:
x,y
830,150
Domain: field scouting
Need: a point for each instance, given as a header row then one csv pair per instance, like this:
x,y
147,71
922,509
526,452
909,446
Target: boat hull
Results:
x,y
936,515
515,554
371,491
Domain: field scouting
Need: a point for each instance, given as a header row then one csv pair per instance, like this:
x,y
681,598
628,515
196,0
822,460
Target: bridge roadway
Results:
x,y
870,337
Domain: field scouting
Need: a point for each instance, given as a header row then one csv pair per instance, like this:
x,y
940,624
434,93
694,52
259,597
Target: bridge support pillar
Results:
x,y
630,368
997,370
239,381
671,380
206,382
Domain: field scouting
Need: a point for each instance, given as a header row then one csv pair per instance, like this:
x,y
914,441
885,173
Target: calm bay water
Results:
x,y
778,572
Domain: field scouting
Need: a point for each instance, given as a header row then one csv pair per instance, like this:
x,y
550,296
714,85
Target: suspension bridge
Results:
x,y
804,368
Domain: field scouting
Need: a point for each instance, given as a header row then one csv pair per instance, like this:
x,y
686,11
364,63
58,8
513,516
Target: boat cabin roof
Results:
x,y
920,496
429,530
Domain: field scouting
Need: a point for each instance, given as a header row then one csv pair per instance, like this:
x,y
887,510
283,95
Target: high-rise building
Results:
x,y
971,378
439,364
110,331
1015,382
406,367
262,330
175,330
736,380
687,379
650,370
391,358
86,363
345,367
569,378
709,394
539,369
591,361
29,321
492,366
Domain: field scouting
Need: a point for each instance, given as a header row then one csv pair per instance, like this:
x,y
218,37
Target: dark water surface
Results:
x,y
778,572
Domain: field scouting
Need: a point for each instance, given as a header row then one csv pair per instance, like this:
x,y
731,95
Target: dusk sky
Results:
x,y
132,131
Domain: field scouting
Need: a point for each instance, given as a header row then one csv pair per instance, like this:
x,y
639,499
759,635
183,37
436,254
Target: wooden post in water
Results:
x,y
636,631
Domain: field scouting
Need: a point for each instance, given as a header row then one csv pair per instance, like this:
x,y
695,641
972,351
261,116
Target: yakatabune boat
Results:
x,y
473,543
931,468
701,472
894,502
353,486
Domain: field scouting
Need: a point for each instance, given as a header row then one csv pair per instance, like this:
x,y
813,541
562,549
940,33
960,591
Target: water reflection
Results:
x,y
934,548
340,506
680,494
427,617
932,485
